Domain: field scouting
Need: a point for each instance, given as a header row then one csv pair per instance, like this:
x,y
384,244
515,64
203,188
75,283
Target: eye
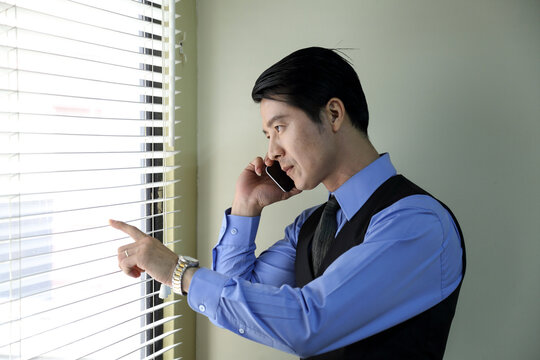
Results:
x,y
278,128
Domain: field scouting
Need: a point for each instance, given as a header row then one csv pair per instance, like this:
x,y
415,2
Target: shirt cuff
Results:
x,y
205,292
238,230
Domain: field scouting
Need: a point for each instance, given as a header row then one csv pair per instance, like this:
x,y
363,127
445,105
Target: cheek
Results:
x,y
307,170
305,158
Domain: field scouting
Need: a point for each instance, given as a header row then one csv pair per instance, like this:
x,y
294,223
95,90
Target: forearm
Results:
x,y
341,307
234,253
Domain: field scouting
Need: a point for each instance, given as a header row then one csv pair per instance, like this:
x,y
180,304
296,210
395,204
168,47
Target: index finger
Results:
x,y
258,165
132,231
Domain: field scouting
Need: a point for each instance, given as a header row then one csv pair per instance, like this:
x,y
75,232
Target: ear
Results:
x,y
335,110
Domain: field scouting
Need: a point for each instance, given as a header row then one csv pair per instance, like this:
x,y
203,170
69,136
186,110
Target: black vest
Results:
x,y
421,337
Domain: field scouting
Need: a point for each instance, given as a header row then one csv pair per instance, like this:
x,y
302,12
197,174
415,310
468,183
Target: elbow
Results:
x,y
305,349
305,344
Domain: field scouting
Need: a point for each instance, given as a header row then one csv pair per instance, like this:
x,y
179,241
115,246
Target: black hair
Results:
x,y
308,78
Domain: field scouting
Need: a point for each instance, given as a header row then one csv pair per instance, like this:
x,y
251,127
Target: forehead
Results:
x,y
274,110
270,108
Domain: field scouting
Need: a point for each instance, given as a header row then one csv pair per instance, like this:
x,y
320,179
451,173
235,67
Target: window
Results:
x,y
85,116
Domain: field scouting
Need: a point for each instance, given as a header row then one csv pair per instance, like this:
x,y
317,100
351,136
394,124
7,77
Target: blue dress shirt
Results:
x,y
410,260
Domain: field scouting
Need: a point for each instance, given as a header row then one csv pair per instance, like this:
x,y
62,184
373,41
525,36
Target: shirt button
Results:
x,y
241,331
234,231
202,308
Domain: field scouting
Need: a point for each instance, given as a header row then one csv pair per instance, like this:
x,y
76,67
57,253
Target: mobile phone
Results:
x,y
280,177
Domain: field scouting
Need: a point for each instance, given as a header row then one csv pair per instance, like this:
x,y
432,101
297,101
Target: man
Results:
x,y
372,274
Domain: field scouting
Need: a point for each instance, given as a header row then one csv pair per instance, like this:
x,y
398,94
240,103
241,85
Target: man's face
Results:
x,y
305,150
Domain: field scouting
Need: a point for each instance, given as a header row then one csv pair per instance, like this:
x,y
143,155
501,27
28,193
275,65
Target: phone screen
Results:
x,y
279,176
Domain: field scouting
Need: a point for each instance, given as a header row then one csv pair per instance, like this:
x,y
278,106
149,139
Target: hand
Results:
x,y
145,254
255,189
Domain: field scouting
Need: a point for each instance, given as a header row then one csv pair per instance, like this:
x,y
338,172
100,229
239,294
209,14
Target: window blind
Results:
x,y
86,106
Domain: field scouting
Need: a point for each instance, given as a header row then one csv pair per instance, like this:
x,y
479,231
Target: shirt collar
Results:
x,y
353,194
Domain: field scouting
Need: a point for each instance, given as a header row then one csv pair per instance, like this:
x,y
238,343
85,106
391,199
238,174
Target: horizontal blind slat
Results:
x,y
93,296
56,44
52,213
86,262
88,303
101,276
152,326
148,154
145,185
36,255
65,47
162,351
79,87
138,15
149,217
158,338
121,8
121,42
47,82
161,322
71,322
47,104
64,19
66,287
45,124
31,166
26,145
46,135
32,59
30,182
69,66
68,97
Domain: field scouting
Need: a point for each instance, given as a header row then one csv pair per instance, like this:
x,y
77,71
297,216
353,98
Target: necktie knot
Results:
x,y
332,206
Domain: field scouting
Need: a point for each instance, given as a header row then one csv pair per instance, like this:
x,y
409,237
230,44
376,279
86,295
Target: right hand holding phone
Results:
x,y
255,189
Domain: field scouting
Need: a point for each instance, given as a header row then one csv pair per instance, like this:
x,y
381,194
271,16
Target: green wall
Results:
x,y
453,89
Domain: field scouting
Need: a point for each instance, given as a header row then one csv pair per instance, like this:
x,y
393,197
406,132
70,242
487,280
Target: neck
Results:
x,y
355,152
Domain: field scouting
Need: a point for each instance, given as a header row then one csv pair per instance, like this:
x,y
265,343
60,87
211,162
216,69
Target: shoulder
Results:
x,y
415,214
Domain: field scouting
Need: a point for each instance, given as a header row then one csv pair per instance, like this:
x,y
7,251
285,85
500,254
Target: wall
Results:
x,y
453,89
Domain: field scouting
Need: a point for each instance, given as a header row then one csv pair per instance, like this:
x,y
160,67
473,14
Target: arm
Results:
x,y
410,261
254,191
234,254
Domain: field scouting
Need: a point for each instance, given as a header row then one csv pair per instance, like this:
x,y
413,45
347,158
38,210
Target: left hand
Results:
x,y
145,254
256,190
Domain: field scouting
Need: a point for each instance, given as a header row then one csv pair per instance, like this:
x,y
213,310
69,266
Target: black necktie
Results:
x,y
325,233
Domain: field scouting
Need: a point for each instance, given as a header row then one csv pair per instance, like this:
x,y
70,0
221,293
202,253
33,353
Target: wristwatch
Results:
x,y
184,263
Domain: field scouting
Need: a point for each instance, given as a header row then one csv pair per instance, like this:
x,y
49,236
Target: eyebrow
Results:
x,y
273,120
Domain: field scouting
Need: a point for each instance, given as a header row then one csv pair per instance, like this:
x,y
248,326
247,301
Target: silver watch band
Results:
x,y
184,263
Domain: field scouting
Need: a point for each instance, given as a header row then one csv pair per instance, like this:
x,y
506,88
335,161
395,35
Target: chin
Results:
x,y
299,186
304,186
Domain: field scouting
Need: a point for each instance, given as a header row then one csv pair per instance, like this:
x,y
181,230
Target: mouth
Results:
x,y
286,169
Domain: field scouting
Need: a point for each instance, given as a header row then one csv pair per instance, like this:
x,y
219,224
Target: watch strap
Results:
x,y
178,274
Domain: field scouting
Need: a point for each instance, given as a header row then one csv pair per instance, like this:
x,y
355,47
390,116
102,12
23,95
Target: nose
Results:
x,y
275,151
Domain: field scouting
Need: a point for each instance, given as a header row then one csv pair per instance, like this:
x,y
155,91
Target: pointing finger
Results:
x,y
132,231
